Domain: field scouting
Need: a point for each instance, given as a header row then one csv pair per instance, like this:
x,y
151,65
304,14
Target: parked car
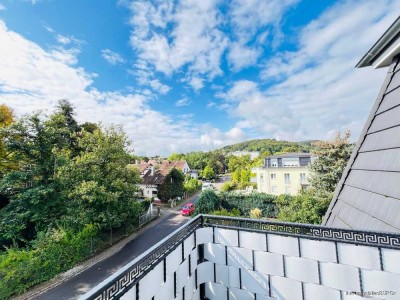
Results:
x,y
188,209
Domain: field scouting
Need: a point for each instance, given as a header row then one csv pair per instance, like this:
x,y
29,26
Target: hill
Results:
x,y
271,145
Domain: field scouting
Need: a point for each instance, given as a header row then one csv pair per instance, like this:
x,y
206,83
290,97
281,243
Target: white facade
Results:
x,y
149,190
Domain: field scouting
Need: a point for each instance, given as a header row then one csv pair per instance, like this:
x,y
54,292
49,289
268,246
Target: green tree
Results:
x,y
192,185
173,185
236,175
98,184
245,177
207,203
197,160
208,172
35,199
7,162
303,208
176,156
327,169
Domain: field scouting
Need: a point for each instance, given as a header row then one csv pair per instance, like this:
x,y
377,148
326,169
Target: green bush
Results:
x,y
303,208
246,202
223,212
207,203
229,186
192,185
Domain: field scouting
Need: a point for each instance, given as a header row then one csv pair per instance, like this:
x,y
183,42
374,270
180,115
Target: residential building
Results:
x,y
355,255
283,174
153,175
252,154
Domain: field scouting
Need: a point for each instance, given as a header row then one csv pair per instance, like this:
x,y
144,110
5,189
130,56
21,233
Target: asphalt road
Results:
x,y
76,286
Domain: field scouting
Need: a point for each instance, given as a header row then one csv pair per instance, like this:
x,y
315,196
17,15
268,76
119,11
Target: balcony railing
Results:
x,y
129,276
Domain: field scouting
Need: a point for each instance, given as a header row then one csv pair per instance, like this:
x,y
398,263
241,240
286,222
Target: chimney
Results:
x,y
152,170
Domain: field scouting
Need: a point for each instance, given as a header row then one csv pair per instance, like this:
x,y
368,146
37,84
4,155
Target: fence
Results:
x,y
148,216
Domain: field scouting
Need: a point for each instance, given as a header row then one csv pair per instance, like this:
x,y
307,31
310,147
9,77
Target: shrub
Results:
x,y
207,203
229,186
303,208
192,185
223,212
255,213
245,203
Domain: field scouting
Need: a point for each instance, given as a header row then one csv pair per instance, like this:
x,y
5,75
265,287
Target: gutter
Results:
x,y
384,42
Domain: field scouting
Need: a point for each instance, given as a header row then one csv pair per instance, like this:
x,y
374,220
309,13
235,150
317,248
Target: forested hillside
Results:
x,y
271,145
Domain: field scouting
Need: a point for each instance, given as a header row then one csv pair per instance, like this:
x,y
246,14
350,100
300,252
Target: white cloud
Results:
x,y
157,86
32,79
196,83
241,56
182,102
2,7
315,91
112,57
63,39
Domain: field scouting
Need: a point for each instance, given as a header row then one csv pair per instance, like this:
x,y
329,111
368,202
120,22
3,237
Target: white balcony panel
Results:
x,y
196,295
179,295
234,277
193,259
215,291
253,240
154,278
240,258
268,263
285,288
174,259
237,294
182,274
166,292
318,250
188,245
255,282
340,277
190,287
130,295
381,281
205,272
222,274
204,235
215,253
226,237
391,260
359,256
315,292
283,245
264,297
302,269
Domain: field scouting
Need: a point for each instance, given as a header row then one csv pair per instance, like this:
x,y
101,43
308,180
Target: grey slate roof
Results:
x,y
368,195
290,154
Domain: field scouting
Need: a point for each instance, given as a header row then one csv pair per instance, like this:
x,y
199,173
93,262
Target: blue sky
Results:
x,y
195,75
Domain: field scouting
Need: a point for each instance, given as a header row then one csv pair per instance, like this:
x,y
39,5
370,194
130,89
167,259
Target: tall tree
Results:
x,y
208,172
327,168
173,185
97,183
7,162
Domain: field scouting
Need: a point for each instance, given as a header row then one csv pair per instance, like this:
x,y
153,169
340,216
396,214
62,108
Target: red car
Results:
x,y
188,209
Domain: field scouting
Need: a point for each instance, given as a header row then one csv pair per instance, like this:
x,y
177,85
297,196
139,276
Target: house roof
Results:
x,y
291,154
382,52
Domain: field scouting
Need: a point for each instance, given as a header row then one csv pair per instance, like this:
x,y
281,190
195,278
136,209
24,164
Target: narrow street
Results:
x,y
76,286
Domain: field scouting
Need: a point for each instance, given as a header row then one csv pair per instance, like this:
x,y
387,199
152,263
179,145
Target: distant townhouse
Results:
x,y
252,154
283,174
153,175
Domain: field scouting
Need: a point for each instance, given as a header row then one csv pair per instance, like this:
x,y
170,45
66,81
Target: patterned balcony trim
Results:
x,y
118,284
369,238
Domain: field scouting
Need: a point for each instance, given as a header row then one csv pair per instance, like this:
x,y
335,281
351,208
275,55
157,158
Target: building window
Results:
x,y
274,189
273,176
287,178
291,162
303,177
287,190
274,162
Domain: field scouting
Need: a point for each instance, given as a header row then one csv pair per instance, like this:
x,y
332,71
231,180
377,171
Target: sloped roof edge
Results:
x,y
381,47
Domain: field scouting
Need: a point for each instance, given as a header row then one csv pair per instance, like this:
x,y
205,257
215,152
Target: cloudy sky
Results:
x,y
195,75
